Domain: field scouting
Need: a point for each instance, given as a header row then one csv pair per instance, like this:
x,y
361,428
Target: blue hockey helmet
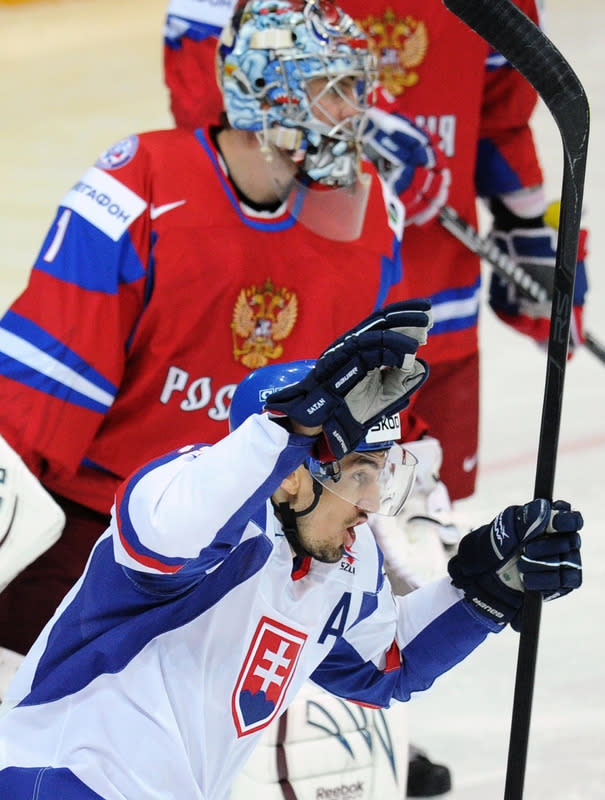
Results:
x,y
251,393
378,484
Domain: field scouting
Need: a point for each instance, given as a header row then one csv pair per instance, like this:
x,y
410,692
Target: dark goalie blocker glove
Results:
x,y
531,243
368,373
535,547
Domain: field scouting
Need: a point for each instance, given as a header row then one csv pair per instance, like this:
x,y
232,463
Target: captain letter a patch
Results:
x,y
265,676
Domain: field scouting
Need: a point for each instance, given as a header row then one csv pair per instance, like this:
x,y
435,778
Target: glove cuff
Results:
x,y
506,220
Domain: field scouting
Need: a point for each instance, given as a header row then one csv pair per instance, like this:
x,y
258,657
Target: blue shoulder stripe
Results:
x,y
87,257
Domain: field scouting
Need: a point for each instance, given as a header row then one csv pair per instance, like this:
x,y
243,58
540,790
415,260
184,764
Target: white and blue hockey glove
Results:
x,y
532,244
411,165
368,373
534,547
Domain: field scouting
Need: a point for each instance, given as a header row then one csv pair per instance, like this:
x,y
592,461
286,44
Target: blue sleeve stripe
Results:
x,y
43,782
123,615
456,309
495,61
445,642
30,355
493,174
462,631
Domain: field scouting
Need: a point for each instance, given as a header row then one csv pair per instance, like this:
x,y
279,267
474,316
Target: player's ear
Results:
x,y
291,484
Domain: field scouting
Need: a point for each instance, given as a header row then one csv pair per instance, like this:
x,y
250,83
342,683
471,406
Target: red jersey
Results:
x,y
441,75
437,72
154,294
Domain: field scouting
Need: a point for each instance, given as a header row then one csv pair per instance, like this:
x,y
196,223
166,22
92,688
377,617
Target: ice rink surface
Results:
x,y
77,75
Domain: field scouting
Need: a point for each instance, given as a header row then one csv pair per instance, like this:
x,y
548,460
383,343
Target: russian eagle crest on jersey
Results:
x,y
400,45
266,674
262,317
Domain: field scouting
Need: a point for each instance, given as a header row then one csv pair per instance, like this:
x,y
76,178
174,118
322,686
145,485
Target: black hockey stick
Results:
x,y
515,36
505,266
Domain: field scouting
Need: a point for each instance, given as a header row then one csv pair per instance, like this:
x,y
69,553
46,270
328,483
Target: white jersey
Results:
x,y
192,628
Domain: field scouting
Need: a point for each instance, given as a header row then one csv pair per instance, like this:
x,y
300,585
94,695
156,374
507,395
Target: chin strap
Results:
x,y
288,518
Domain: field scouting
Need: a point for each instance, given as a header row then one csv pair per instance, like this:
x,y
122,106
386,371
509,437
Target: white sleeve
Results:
x,y
177,505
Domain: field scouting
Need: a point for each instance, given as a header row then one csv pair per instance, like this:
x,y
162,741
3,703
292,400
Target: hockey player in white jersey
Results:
x,y
231,574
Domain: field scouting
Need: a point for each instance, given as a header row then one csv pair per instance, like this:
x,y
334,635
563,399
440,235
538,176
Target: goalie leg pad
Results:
x,y
325,747
30,520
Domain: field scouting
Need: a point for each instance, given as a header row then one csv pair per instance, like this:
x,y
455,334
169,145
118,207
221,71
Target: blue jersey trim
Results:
x,y
195,30
26,344
116,613
391,272
43,783
260,225
456,309
493,173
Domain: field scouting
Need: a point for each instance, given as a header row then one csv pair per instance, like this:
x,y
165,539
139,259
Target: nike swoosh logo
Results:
x,y
157,211
469,463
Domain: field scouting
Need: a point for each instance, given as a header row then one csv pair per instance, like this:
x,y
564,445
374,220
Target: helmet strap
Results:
x,y
288,519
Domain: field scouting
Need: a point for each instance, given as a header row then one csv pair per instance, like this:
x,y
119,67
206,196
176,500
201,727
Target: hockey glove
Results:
x,y
410,164
368,373
534,547
532,244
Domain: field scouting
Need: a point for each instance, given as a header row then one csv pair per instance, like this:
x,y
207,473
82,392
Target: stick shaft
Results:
x,y
516,37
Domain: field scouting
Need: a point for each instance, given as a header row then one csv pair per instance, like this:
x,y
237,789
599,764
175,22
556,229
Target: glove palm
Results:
x,y
368,373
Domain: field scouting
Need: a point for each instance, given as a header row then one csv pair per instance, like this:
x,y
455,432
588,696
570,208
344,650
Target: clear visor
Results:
x,y
335,213
377,481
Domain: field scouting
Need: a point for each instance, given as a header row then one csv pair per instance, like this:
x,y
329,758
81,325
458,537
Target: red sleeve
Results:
x,y
507,158
64,341
190,75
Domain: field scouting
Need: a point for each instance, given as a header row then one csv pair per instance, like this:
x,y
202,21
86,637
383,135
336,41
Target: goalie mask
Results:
x,y
376,478
269,58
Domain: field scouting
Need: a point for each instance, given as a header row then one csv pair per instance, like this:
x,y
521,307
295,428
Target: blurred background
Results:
x,y
78,75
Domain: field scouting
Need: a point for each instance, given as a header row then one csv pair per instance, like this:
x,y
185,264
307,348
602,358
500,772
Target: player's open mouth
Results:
x,y
350,537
